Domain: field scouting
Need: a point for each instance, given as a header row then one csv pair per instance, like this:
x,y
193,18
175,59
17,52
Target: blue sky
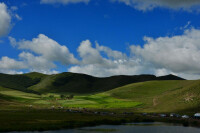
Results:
x,y
117,25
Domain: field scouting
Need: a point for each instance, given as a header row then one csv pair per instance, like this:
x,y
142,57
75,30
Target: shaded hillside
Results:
x,y
18,82
85,84
169,77
71,82
81,83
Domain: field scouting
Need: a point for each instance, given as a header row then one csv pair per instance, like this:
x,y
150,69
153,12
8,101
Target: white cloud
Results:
x,y
46,53
112,54
5,20
11,72
47,48
179,54
113,63
117,68
36,63
7,63
65,2
145,5
88,54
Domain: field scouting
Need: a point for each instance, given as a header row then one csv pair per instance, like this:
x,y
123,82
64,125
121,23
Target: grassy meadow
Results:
x,y
41,101
149,96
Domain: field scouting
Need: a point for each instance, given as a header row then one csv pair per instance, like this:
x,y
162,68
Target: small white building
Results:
x,y
197,115
172,115
185,116
163,115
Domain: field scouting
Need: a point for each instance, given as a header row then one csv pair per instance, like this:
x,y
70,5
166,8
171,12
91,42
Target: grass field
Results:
x,y
97,101
162,96
30,111
150,96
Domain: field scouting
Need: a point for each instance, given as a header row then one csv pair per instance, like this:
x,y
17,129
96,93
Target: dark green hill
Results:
x,y
71,82
81,83
35,75
86,84
18,82
169,77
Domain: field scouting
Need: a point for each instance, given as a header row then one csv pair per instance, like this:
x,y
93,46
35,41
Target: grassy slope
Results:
x,y
66,82
14,99
20,82
85,84
71,82
150,96
162,96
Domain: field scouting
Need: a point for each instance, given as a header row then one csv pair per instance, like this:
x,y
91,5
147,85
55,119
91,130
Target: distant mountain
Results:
x,y
72,82
170,77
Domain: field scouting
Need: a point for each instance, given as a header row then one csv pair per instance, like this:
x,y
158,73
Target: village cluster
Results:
x,y
172,115
86,111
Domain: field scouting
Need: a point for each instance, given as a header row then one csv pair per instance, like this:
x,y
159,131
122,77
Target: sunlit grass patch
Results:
x,y
18,94
98,101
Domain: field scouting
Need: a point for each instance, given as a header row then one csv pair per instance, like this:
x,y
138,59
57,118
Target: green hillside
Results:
x,y
71,82
140,93
162,96
20,82
85,84
149,96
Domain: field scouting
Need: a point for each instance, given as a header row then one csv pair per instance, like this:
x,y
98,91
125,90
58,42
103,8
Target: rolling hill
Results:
x,y
71,82
18,82
140,93
162,96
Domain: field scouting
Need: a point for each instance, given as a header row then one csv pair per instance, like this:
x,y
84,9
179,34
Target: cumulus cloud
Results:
x,y
47,48
88,54
113,63
129,67
11,66
8,63
36,63
6,15
5,20
145,5
179,54
42,53
65,2
112,54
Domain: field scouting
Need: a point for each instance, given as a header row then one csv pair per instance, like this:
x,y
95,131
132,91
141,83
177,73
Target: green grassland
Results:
x,y
97,101
149,96
29,106
71,82
162,96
